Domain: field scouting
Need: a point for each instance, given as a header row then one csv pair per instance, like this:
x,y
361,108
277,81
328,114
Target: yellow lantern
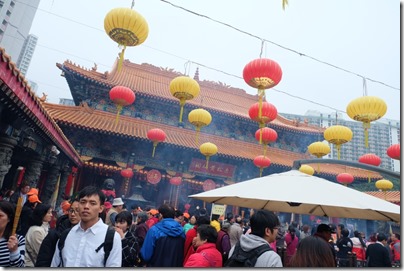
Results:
x,y
338,135
384,185
199,118
306,169
184,88
366,109
208,149
126,27
319,149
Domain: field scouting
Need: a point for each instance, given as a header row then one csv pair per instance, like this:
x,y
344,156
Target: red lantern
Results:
x,y
267,135
126,174
156,136
176,181
267,114
121,96
208,185
394,152
345,178
370,159
262,162
262,73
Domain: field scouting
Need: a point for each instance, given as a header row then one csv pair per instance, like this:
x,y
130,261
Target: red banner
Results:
x,y
214,168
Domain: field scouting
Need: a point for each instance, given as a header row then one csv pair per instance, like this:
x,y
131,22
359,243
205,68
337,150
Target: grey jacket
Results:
x,y
267,259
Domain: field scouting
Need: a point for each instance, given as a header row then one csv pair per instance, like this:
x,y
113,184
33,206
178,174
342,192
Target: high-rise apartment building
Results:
x,y
26,53
382,135
16,18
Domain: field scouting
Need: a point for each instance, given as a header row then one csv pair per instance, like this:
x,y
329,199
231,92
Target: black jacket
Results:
x,y
378,256
130,250
48,245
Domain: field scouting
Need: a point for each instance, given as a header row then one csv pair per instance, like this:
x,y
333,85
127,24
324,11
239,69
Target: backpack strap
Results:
x,y
61,244
258,252
107,244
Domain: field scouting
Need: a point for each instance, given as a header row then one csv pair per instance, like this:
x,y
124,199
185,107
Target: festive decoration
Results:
x,y
267,135
384,185
284,3
208,149
267,113
184,88
306,169
176,181
208,185
262,73
121,96
319,149
126,174
394,152
127,28
262,162
338,135
345,178
370,159
199,118
366,109
156,136
153,176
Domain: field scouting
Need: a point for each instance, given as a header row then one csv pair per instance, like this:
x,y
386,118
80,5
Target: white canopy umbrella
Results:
x,y
296,192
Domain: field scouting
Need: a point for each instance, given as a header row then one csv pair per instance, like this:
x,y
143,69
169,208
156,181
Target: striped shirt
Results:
x,y
15,259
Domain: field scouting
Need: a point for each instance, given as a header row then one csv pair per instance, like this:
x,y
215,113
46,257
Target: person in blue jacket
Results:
x,y
164,242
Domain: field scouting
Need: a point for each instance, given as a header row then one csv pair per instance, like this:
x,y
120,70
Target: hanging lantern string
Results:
x,y
133,4
365,89
119,108
187,67
262,47
154,147
121,57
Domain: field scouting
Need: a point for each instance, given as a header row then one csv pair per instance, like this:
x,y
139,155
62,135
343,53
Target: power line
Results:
x,y
197,63
281,46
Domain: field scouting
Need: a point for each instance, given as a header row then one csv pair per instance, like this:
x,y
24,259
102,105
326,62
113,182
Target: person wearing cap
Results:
x,y
377,254
164,242
26,212
33,191
151,218
324,232
65,206
117,207
223,241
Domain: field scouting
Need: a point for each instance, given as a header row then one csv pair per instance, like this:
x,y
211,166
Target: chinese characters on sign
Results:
x,y
215,168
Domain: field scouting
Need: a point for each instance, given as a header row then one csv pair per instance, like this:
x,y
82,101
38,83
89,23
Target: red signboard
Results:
x,y
214,168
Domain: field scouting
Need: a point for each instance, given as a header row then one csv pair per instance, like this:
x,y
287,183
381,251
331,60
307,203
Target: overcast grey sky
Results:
x,y
362,36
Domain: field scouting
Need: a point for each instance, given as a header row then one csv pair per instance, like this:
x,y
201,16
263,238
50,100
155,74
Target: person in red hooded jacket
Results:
x,y
190,236
206,254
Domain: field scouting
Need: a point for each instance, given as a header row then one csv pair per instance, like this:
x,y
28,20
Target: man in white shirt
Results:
x,y
83,239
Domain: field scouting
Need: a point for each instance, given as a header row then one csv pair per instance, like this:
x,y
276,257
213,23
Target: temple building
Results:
x,y
93,146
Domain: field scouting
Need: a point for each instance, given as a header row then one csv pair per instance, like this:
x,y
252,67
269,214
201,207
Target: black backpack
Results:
x,y
241,258
107,244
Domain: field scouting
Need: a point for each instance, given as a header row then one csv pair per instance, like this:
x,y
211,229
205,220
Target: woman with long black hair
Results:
x,y
12,247
41,217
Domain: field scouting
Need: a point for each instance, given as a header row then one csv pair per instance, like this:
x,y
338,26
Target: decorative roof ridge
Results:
x,y
42,112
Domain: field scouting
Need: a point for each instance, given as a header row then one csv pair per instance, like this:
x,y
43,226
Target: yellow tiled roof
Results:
x,y
392,196
86,118
153,81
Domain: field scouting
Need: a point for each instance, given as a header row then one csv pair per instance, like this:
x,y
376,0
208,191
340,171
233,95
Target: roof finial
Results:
x,y
196,76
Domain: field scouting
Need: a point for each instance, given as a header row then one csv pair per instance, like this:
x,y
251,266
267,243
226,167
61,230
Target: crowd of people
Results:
x,y
93,230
